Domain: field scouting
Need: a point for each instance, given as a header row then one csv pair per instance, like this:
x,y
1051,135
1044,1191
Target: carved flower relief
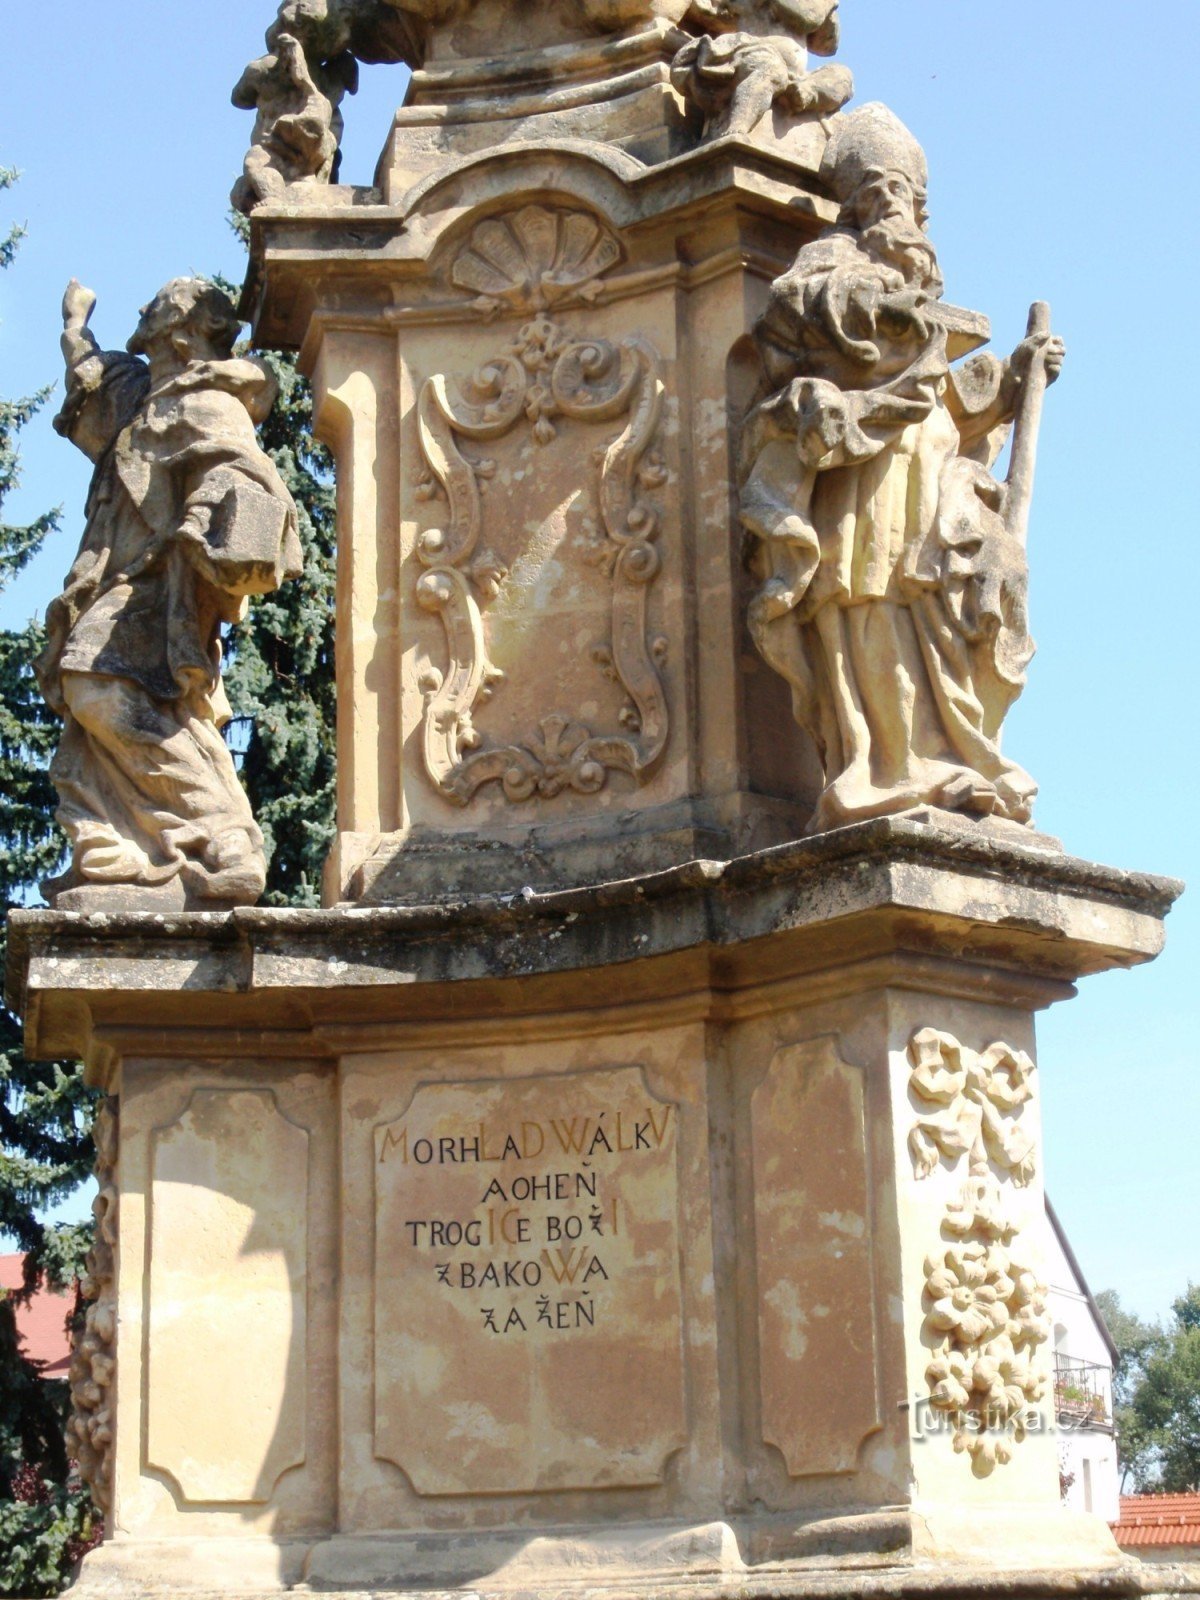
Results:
x,y
969,1291
989,1318
985,1314
534,258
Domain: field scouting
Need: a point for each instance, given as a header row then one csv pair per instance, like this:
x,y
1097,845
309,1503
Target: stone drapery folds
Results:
x,y
186,516
893,598
753,55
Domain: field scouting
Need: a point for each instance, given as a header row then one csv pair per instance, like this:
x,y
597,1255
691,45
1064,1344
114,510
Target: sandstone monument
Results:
x,y
630,1181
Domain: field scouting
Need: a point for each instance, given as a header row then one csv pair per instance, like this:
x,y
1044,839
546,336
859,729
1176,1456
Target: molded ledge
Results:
x,y
927,889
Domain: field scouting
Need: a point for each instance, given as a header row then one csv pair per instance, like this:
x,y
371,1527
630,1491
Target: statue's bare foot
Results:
x,y
969,792
232,869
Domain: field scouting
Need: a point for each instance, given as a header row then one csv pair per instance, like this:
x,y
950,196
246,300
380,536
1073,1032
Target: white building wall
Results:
x,y
1087,1453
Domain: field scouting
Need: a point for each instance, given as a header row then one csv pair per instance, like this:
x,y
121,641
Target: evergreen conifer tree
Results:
x,y
45,1150
280,670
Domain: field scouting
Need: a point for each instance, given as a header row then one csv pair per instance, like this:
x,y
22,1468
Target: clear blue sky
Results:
x,y
1063,141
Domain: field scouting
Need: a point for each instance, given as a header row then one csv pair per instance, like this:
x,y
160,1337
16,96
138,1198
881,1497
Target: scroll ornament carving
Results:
x,y
985,1310
546,376
94,1358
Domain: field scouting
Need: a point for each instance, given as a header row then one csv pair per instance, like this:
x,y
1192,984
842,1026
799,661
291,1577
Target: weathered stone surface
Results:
x,y
893,885
609,1193
763,1012
894,571
227,1326
647,76
527,1285
1131,1582
816,1280
756,59
186,517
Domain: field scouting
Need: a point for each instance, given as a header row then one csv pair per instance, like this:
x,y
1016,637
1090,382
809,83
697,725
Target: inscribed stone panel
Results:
x,y
527,1285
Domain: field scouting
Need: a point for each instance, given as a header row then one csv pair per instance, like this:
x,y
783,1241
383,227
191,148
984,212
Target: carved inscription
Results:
x,y
527,1287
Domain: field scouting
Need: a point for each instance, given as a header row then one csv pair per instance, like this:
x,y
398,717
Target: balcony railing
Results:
x,y
1081,1393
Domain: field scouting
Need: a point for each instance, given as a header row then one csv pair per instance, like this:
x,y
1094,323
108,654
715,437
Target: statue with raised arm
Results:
x,y
186,516
894,599
753,55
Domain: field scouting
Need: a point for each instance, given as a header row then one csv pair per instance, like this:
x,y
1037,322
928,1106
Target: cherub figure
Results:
x,y
754,55
296,90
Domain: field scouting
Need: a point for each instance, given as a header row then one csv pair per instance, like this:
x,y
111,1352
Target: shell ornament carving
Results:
x,y
985,1310
535,258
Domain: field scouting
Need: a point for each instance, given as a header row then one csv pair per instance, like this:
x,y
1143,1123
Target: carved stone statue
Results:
x,y
894,601
186,517
296,91
754,55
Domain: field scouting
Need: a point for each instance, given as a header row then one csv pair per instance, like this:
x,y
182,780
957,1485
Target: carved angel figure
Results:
x,y
753,54
296,90
186,517
895,594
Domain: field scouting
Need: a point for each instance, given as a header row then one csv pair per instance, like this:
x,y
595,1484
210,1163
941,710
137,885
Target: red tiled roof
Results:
x,y
42,1324
1158,1519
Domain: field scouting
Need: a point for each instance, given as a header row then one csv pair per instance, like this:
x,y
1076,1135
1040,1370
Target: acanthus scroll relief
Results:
x,y
546,375
985,1310
94,1357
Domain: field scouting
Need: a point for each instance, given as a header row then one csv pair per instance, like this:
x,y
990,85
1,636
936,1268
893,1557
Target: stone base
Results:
x,y
586,1242
701,1564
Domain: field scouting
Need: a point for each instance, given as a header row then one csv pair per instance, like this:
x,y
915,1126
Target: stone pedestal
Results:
x,y
532,367
613,1191
589,1238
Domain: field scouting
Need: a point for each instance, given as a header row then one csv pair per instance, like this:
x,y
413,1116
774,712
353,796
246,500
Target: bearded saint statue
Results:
x,y
894,588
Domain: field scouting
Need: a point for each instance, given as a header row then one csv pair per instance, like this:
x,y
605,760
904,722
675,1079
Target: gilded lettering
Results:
x,y
568,1267
571,1135
394,1141
659,1133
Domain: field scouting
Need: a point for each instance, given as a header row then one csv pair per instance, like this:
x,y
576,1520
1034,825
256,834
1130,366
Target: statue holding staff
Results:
x,y
894,593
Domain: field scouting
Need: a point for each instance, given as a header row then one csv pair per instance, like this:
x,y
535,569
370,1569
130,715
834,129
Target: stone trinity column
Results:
x,y
631,1182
